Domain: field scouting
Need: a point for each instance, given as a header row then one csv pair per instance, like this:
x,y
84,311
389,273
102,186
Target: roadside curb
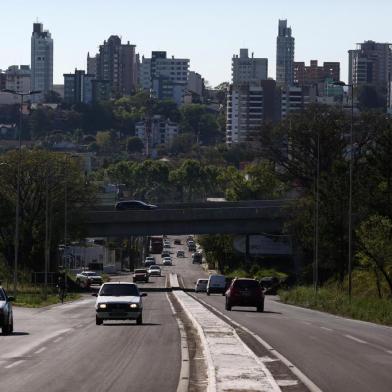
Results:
x,y
183,383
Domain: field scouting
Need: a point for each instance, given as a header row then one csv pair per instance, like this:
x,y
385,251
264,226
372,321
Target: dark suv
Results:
x,y
245,292
6,318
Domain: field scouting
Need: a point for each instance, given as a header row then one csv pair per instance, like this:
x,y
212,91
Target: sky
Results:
x,y
208,32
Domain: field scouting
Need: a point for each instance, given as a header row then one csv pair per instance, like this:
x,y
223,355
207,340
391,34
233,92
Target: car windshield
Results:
x,y
119,290
140,271
154,267
89,273
202,281
246,284
2,296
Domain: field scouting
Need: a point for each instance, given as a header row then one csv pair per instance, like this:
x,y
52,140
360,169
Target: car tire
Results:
x,y
208,292
11,327
260,308
227,305
98,321
139,320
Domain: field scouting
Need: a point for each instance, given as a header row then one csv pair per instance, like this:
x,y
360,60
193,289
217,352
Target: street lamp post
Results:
x,y
350,195
17,208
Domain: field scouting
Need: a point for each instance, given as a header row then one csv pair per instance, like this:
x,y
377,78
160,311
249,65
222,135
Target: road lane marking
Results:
x,y
14,364
356,339
389,351
326,329
40,350
305,322
57,340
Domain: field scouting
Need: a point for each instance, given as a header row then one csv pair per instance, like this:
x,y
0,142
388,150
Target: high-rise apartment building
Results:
x,y
249,106
284,55
310,75
115,66
165,78
92,64
78,87
370,64
245,69
41,61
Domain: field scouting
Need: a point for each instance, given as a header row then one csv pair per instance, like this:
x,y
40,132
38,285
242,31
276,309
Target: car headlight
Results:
x,y
102,306
133,306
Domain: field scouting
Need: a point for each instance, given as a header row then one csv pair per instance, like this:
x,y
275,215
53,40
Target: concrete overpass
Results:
x,y
195,218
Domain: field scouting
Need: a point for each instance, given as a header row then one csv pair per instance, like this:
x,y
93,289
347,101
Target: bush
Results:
x,y
335,300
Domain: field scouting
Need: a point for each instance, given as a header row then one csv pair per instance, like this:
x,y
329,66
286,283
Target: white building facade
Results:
x,y
245,112
162,131
247,69
165,78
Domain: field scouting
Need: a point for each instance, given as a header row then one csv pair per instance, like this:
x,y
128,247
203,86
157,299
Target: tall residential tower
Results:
x,y
284,55
41,61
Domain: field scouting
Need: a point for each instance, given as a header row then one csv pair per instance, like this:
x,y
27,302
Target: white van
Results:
x,y
216,284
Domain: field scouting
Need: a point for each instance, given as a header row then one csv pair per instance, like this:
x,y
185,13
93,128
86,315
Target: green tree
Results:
x,y
375,239
134,144
40,170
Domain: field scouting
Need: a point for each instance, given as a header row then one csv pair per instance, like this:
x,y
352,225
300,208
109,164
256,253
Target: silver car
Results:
x,y
6,316
119,301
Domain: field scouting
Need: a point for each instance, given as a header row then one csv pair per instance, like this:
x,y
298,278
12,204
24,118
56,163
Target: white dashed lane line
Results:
x,y
40,350
356,339
14,364
326,329
57,340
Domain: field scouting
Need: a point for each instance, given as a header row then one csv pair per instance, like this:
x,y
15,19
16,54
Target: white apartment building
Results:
x,y
247,69
18,78
166,78
163,131
245,112
41,61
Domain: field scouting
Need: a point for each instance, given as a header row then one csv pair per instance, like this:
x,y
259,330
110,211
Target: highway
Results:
x,y
61,347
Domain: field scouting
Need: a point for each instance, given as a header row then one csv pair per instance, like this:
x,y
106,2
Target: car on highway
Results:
x,y
154,270
134,205
119,301
140,275
197,257
149,261
180,253
192,247
216,284
166,245
177,241
245,292
87,278
6,315
167,261
201,285
165,254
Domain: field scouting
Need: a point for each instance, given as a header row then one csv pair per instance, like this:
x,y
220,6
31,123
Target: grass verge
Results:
x,y
335,301
30,296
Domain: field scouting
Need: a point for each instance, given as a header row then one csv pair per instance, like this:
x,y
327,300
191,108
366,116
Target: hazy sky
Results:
x,y
208,32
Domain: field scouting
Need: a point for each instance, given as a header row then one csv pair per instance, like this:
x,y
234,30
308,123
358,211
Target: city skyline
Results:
x,y
322,32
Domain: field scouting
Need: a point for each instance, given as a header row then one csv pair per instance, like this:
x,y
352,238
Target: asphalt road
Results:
x,y
337,354
61,349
